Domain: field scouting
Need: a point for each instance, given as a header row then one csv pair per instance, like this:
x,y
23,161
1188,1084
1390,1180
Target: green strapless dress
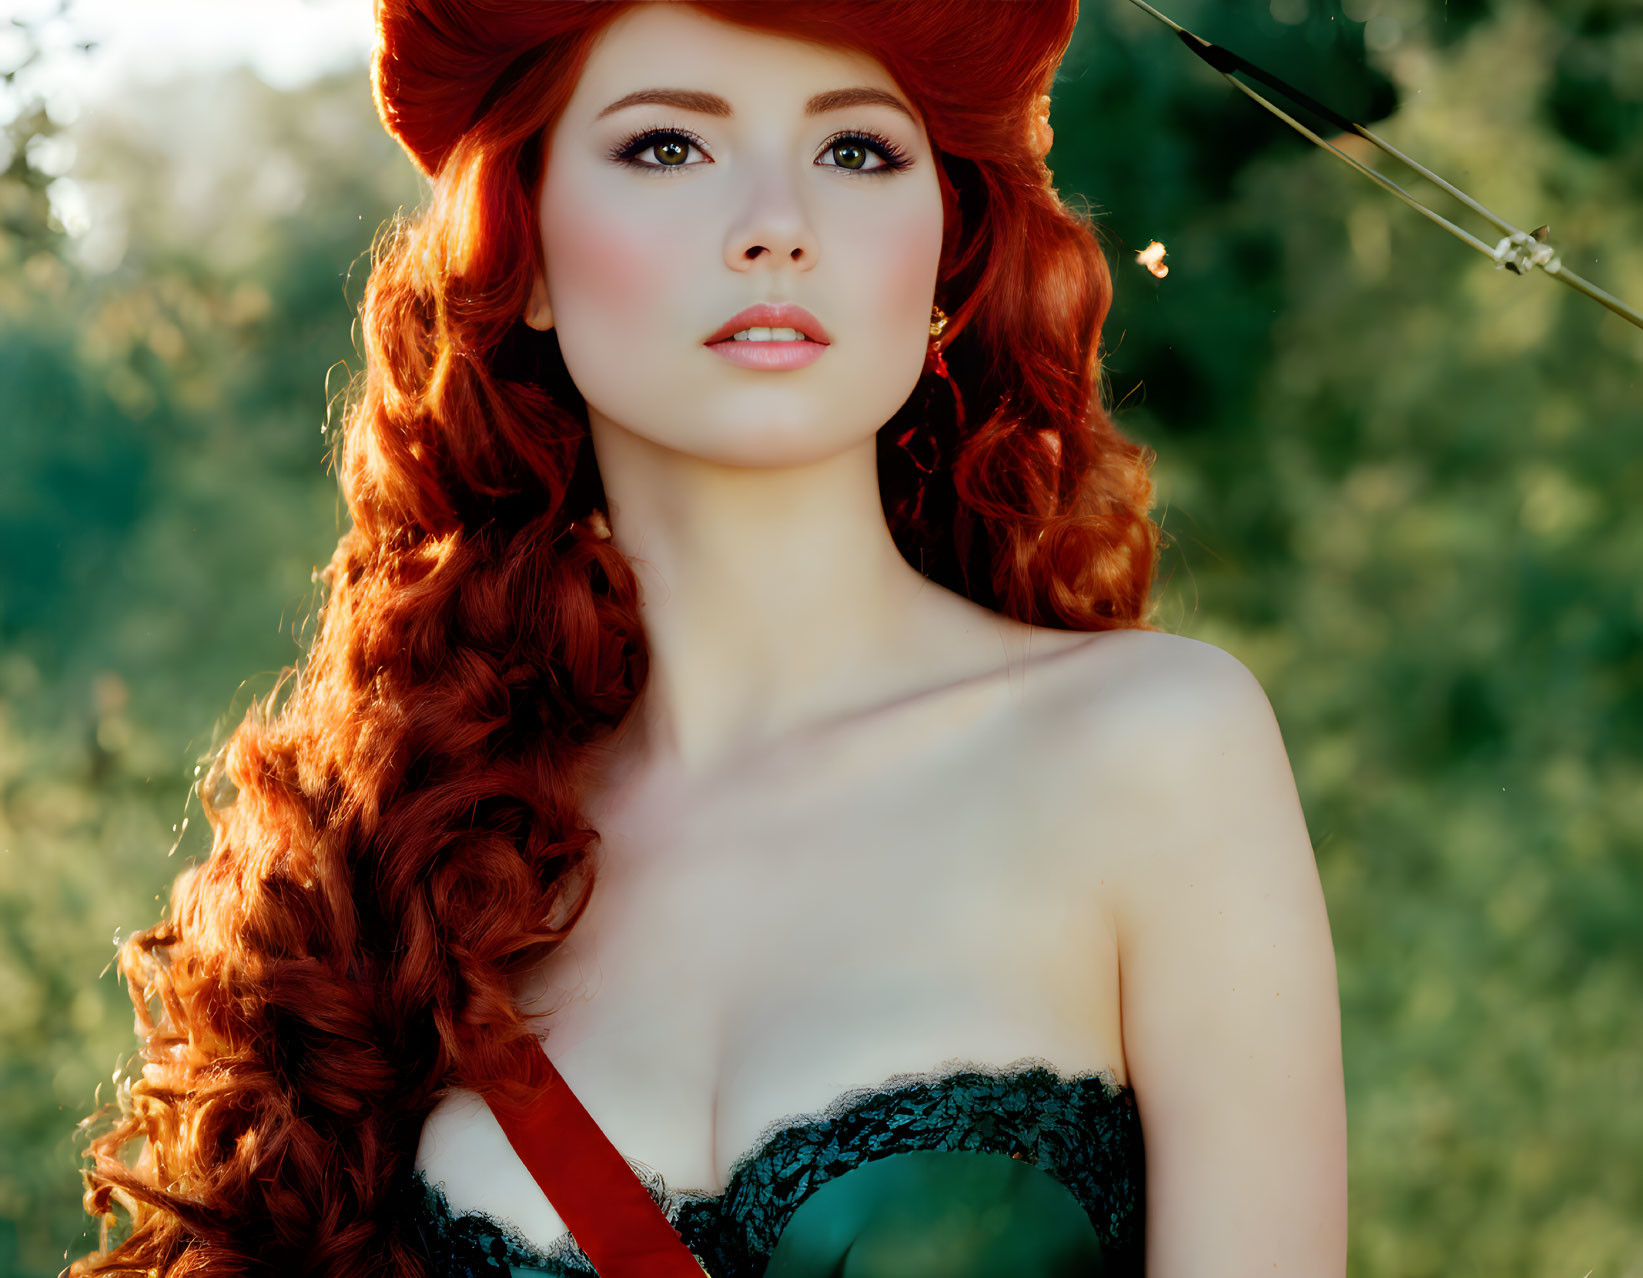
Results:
x,y
1016,1171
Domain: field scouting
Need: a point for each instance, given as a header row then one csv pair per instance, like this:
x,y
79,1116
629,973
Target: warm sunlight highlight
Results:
x,y
1152,257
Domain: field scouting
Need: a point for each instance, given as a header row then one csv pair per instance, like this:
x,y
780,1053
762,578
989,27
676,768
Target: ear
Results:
x,y
538,314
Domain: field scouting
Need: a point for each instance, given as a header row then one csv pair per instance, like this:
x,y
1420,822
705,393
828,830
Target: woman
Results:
x,y
930,875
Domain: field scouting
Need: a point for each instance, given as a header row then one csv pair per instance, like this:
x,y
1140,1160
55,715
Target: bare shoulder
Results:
x,y
464,1151
1173,704
1169,680
1228,996
1164,743
1149,711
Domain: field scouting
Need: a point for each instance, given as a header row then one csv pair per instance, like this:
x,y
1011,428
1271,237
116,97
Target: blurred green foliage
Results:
x,y
1402,486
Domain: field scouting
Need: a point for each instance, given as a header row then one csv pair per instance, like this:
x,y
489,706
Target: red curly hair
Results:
x,y
397,842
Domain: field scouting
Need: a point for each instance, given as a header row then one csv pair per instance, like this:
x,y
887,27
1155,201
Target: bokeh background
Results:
x,y
1404,487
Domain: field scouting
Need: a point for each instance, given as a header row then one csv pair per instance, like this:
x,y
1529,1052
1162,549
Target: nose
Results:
x,y
775,225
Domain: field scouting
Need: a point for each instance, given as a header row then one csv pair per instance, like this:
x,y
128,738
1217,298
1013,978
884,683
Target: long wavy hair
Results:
x,y
397,833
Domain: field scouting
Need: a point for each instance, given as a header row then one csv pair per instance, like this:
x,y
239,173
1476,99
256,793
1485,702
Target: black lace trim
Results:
x,y
1084,1129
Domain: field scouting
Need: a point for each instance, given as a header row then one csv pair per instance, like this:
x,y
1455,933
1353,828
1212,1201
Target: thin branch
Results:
x,y
1519,251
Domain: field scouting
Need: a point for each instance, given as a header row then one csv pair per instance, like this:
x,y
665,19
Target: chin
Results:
x,y
769,442
759,427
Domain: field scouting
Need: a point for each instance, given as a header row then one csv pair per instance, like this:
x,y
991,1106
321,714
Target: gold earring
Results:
x,y
938,321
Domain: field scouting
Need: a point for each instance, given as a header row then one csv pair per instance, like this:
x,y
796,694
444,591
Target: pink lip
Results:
x,y
769,315
769,354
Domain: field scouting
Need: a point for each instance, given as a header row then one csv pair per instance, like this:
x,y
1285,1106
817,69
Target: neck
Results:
x,y
773,598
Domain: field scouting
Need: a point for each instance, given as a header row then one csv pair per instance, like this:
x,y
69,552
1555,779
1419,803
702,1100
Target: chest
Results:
x,y
923,890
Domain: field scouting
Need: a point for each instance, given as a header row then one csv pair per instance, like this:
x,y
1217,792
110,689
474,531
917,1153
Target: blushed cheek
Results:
x,y
905,254
605,272
913,253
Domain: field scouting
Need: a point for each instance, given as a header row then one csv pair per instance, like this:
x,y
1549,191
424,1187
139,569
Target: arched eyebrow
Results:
x,y
713,104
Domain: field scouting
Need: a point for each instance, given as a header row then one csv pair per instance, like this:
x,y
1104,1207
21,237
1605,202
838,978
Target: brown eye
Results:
x,y
670,147
664,150
853,149
850,155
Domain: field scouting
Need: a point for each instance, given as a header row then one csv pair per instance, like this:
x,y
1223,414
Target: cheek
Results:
x,y
602,272
901,259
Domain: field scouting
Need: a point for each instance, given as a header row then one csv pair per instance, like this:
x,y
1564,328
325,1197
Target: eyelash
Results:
x,y
628,151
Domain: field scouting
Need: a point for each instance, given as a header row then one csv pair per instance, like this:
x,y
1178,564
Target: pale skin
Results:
x,y
857,825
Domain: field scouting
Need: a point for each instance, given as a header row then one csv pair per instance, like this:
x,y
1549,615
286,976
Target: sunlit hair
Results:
x,y
401,837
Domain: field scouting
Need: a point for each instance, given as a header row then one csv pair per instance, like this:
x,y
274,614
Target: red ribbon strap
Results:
x,y
602,1202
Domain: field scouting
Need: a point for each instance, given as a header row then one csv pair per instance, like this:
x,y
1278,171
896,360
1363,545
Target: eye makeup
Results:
x,y
627,151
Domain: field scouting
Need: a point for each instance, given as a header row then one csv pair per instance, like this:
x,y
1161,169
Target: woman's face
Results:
x,y
751,198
